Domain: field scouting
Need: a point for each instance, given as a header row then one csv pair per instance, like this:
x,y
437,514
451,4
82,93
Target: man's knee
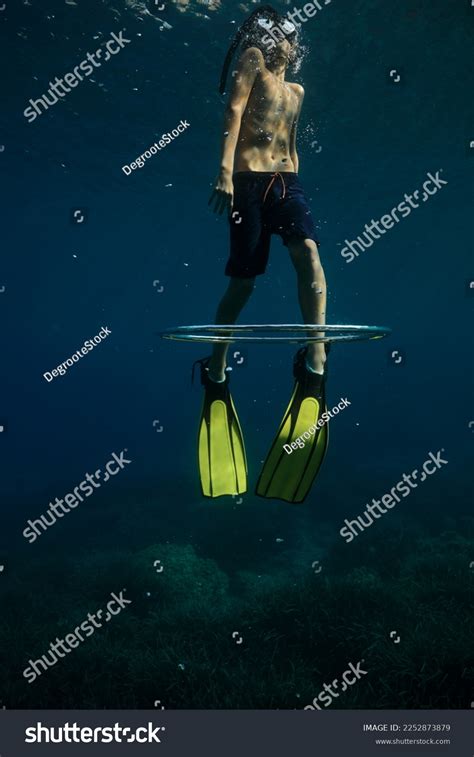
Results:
x,y
305,256
243,287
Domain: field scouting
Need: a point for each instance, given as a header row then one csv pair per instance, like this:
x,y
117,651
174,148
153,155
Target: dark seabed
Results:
x,y
236,602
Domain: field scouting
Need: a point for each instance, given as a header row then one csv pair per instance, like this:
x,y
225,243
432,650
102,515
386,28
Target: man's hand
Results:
x,y
222,196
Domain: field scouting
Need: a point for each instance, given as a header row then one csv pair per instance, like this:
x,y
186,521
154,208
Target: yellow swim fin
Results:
x,y
290,468
221,450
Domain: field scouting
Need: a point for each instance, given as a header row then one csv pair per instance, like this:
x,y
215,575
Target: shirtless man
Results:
x,y
258,186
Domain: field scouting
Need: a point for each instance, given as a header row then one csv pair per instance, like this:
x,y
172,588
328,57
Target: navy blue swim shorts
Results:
x,y
265,203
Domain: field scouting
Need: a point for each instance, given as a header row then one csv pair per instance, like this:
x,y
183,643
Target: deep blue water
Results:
x,y
64,281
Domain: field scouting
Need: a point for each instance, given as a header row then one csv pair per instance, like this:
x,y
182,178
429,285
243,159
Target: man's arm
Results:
x,y
293,154
250,64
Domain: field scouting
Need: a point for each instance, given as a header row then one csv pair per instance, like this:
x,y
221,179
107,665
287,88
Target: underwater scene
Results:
x,y
199,517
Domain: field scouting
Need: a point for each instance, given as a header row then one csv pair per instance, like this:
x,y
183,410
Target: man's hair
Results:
x,y
252,32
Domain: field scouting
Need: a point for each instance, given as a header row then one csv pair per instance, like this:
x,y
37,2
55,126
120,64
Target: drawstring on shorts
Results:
x,y
272,181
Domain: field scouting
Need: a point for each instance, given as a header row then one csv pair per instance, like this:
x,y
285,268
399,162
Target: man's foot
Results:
x,y
216,370
316,357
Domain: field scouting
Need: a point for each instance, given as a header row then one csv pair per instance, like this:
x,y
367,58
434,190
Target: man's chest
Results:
x,y
274,99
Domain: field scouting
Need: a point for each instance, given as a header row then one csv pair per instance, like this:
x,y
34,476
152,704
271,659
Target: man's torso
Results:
x,y
264,139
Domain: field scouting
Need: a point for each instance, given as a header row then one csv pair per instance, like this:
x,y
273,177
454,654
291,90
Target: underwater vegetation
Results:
x,y
196,636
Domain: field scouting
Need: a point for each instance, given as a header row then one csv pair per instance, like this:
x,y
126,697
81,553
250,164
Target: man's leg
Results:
x,y
311,293
236,296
